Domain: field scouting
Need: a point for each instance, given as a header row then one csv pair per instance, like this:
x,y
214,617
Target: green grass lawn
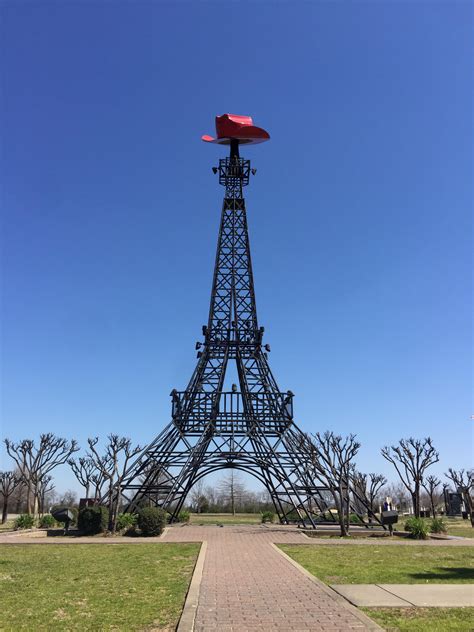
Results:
x,y
458,526
94,586
464,532
8,525
225,518
371,564
423,619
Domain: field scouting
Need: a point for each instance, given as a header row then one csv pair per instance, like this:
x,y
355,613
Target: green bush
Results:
x,y
437,525
92,520
354,519
268,516
325,517
24,521
46,522
75,513
184,516
151,521
126,521
417,528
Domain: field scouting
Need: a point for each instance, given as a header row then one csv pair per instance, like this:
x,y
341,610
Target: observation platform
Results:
x,y
228,413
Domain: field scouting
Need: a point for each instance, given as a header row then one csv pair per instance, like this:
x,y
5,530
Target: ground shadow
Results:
x,y
447,572
54,533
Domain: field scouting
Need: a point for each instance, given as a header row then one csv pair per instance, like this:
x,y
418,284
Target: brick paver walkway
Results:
x,y
248,586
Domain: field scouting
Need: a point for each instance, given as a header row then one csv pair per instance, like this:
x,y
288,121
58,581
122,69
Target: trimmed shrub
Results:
x,y
184,516
417,528
126,521
354,519
24,521
268,516
437,525
46,522
151,521
92,520
75,512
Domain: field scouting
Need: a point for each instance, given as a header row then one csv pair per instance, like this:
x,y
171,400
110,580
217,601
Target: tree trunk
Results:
x,y
339,502
28,500
116,508
5,509
468,505
433,509
347,510
35,503
415,497
111,507
342,522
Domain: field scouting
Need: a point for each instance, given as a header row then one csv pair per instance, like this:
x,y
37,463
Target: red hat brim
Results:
x,y
226,141
246,135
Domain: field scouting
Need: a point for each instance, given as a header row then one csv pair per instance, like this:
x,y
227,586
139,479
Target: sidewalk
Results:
x,y
408,595
248,585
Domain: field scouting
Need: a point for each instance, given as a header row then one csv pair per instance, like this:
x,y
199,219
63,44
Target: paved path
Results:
x,y
247,585
281,534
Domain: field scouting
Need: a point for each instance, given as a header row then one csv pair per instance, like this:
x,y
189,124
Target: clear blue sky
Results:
x,y
359,214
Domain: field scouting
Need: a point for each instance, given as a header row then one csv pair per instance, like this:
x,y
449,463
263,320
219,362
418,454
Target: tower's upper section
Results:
x,y
235,130
231,127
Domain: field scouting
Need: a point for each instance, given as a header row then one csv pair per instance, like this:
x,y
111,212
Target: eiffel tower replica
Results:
x,y
249,427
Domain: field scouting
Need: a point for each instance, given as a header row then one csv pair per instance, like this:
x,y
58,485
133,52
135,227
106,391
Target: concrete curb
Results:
x,y
186,622
16,532
369,623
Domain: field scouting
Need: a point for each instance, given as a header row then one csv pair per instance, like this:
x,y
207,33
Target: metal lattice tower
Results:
x,y
250,428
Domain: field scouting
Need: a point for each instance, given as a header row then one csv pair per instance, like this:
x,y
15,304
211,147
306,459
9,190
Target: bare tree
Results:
x,y
113,465
464,483
332,458
368,487
22,454
431,485
232,490
210,494
411,458
68,498
84,470
197,497
18,498
98,480
9,481
36,462
44,487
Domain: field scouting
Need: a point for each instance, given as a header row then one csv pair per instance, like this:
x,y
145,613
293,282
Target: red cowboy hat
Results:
x,y
241,128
